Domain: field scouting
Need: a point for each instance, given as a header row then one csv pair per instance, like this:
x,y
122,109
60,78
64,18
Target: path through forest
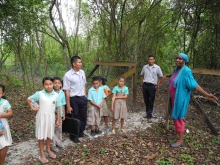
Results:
x,y
144,143
21,152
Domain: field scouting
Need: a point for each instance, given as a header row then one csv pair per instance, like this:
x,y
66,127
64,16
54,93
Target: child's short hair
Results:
x,y
151,56
121,77
100,78
47,78
57,78
3,90
104,81
95,78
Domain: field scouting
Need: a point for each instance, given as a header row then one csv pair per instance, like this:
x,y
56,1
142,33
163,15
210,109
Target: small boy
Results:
x,y
96,97
57,138
105,110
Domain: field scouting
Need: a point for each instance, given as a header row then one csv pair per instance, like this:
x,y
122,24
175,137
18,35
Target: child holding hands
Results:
x,y
96,97
45,118
119,107
57,138
105,109
5,134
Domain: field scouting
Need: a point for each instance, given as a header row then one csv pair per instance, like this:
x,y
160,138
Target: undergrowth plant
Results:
x,y
164,161
186,158
102,151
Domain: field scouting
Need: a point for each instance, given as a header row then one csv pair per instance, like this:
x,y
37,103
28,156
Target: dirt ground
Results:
x,y
144,143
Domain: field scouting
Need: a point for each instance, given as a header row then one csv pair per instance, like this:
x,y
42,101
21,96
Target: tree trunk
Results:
x,y
75,47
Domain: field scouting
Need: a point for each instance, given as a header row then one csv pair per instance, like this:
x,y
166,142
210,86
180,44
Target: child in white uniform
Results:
x,y
5,134
45,118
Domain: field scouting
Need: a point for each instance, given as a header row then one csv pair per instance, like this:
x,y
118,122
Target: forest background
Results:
x,y
37,38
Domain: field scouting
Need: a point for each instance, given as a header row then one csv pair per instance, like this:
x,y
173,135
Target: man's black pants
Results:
x,y
79,106
149,91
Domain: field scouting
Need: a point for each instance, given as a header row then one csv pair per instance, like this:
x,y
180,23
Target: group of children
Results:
x,y
50,112
97,96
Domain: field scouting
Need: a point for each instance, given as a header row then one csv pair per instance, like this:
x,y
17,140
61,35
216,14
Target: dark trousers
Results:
x,y
79,106
149,91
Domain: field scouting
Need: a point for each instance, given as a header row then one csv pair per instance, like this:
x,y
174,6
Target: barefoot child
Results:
x,y
96,97
45,118
119,107
57,138
105,110
5,134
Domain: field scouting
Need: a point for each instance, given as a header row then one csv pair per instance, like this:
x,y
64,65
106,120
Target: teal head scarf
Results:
x,y
185,57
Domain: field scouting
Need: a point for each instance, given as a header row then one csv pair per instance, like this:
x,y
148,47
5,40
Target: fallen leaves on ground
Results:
x,y
145,147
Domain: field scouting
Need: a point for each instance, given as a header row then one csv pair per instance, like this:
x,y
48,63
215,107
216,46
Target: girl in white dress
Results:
x,y
45,118
5,134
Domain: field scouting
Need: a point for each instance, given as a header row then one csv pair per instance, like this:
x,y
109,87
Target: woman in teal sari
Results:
x,y
182,83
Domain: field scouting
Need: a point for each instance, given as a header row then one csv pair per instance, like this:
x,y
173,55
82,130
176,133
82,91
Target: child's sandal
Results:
x,y
113,131
123,131
43,161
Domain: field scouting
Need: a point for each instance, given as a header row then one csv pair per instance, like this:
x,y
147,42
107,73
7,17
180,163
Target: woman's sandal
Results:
x,y
43,161
174,145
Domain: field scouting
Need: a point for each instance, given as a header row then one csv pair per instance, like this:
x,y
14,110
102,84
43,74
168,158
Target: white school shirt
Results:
x,y
151,73
75,82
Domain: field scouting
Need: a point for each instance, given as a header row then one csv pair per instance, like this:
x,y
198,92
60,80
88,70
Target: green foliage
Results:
x,y
115,32
32,126
164,161
146,149
67,161
161,149
85,149
37,163
15,82
216,141
185,158
12,133
125,144
83,155
102,151
142,134
10,80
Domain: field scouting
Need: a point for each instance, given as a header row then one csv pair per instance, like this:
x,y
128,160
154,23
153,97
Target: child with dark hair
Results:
x,y
57,138
45,119
96,97
5,133
105,109
119,107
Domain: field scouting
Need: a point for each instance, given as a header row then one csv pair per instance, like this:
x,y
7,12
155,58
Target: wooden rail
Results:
x,y
203,71
206,71
208,122
126,74
116,63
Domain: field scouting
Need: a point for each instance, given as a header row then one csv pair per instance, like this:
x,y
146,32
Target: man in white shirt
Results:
x,y
74,84
151,76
